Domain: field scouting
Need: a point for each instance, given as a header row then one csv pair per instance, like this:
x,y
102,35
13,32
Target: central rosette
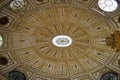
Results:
x,y
62,41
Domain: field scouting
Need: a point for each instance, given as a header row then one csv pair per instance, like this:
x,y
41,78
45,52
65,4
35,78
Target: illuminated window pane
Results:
x,y
1,40
62,41
108,5
17,4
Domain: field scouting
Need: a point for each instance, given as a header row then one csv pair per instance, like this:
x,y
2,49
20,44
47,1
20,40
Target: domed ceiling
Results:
x,y
57,40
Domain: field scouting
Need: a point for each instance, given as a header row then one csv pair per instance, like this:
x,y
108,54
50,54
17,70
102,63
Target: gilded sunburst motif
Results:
x,y
79,45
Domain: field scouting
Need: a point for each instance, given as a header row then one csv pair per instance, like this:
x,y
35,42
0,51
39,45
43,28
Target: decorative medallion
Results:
x,y
62,41
114,40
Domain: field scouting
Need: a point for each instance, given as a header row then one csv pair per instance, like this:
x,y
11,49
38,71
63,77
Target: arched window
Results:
x,y
108,5
1,40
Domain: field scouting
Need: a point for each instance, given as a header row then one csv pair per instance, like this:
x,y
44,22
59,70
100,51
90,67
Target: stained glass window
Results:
x,y
16,75
17,4
108,5
109,76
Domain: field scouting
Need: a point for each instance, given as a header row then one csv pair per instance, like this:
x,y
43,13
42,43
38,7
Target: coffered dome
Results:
x,y
58,40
